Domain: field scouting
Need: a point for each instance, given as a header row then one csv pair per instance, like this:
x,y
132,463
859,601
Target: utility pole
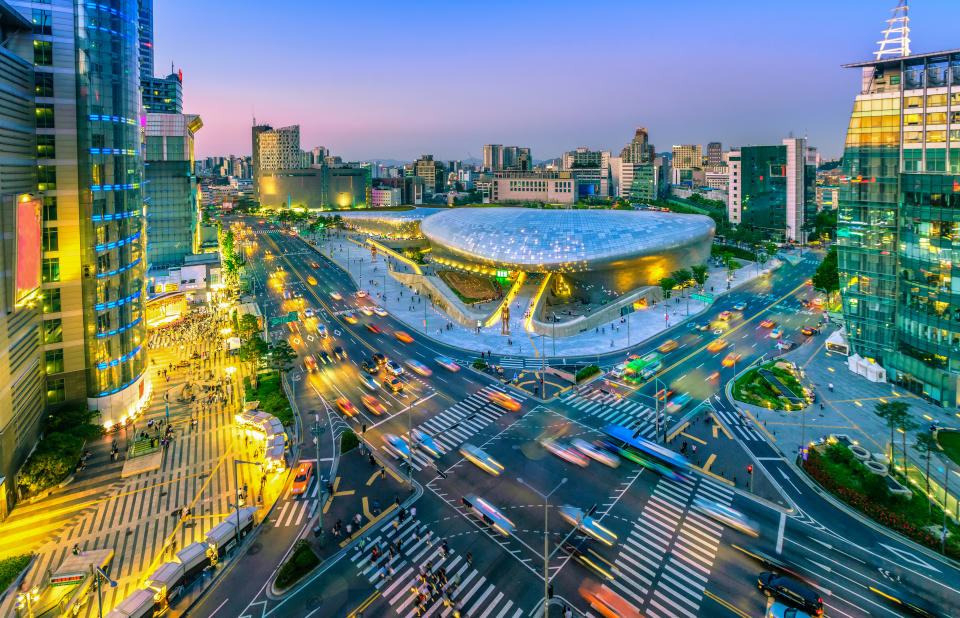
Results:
x,y
546,541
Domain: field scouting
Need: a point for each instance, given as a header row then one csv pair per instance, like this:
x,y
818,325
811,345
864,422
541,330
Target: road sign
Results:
x,y
290,317
706,297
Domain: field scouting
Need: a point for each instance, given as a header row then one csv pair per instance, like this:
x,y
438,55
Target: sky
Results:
x,y
394,80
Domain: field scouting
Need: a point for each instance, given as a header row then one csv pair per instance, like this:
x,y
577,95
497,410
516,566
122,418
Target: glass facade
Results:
x,y
899,223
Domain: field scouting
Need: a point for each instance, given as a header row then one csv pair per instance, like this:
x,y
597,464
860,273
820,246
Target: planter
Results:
x,y
876,467
897,489
881,457
859,452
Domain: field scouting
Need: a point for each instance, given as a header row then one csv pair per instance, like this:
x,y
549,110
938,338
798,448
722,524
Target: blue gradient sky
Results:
x,y
375,79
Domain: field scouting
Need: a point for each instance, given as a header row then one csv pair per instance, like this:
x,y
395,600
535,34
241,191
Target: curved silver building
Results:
x,y
396,224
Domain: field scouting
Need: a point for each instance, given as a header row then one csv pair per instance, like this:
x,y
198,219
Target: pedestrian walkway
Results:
x,y
739,425
608,408
665,561
448,581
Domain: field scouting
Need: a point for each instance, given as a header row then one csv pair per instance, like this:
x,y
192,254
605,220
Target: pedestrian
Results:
x,y
446,546
349,531
399,544
469,561
413,512
383,473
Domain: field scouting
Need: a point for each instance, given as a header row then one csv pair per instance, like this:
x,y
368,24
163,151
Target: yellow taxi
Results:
x,y
302,479
312,280
668,346
716,345
402,336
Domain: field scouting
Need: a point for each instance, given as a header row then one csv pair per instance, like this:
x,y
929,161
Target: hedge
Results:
x,y
348,441
479,364
300,563
736,252
587,372
11,567
270,394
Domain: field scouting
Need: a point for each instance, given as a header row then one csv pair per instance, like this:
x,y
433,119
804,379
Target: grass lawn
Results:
x,y
950,443
753,388
270,394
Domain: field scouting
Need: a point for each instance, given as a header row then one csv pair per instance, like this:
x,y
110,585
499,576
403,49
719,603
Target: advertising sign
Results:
x,y
28,248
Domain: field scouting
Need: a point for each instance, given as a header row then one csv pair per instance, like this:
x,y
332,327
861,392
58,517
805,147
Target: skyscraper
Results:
x,y
639,150
687,156
256,132
162,94
145,38
497,157
714,154
899,221
432,173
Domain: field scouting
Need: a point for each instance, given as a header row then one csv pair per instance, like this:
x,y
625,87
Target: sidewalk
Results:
x,y
397,298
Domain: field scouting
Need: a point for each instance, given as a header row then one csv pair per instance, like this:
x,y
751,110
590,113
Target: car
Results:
x,y
380,311
314,264
769,561
565,452
768,323
370,366
586,524
713,377
308,313
809,282
379,358
725,315
607,602
346,406
791,591
731,359
488,513
349,317
776,333
310,363
726,515
373,328
312,280
668,346
589,559
396,445
367,311
447,364
503,400
677,403
373,404
717,344
595,452
287,294
703,326
809,331
369,382
336,296
779,610
394,368
325,357
740,306
420,368
424,441
480,459
619,371
321,330
339,353
302,479
394,384
402,336
662,394
362,294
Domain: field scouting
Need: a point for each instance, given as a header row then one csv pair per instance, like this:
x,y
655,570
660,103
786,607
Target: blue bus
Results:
x,y
646,453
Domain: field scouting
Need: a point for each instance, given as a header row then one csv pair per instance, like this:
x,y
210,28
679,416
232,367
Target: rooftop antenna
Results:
x,y
896,38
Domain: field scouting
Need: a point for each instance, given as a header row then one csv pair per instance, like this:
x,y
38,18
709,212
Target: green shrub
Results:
x,y
480,364
587,372
57,454
301,561
10,568
348,441
269,393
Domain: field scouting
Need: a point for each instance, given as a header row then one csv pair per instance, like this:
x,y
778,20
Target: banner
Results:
x,y
28,248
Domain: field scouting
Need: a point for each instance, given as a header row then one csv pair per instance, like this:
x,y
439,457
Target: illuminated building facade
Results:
x,y
899,222
687,156
163,95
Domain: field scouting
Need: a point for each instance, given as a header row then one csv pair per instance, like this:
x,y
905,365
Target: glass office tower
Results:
x,y
899,222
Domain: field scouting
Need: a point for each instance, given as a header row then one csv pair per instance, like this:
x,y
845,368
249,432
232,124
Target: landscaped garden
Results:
x,y
270,394
754,388
10,568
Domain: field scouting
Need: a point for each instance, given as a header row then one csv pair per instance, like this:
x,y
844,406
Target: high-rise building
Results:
x,y
256,131
162,95
639,150
21,357
714,154
145,38
590,168
687,156
90,173
432,173
492,157
279,149
899,220
497,157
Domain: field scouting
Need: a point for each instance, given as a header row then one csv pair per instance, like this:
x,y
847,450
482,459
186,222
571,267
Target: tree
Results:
x,y
248,326
281,355
253,350
827,278
927,445
770,248
896,415
699,274
666,284
682,277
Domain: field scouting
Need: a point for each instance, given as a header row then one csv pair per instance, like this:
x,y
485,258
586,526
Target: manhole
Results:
x,y
255,548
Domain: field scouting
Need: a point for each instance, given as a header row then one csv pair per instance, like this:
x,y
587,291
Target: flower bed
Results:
x,y
836,469
754,389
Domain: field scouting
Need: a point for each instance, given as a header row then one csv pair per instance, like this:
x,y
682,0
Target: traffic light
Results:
x,y
749,468
550,591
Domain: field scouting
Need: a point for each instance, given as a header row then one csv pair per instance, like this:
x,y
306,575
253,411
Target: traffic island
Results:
x,y
887,499
773,386
301,561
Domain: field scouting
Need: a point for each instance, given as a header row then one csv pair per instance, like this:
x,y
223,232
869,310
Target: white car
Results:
x,y
369,382
726,515
619,370
394,368
596,453
308,312
776,333
380,311
565,452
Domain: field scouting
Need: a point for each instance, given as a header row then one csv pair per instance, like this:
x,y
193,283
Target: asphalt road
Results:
x,y
668,559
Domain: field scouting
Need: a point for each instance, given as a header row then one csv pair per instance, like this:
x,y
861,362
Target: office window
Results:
x,y
46,177
56,391
44,116
51,300
50,208
41,21
937,118
42,53
44,84
53,330
936,100
51,270
53,359
51,241
912,102
46,147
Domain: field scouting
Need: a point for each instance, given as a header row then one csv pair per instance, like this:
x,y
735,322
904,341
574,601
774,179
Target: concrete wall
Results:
x,y
609,313
433,286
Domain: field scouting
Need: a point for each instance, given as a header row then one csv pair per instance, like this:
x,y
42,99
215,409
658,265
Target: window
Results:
x,y
44,116
50,208
936,136
912,136
913,102
41,21
51,300
53,359
44,83
42,53
46,147
936,100
936,160
51,241
55,391
53,330
909,120
937,118
51,270
46,177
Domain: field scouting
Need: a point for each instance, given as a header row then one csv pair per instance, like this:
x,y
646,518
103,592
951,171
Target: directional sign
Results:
x,y
705,297
290,317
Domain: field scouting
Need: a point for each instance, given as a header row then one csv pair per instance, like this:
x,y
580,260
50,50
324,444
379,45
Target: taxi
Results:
x,y
302,479
481,459
768,324
346,406
730,359
336,296
349,317
668,346
361,293
312,280
367,311
504,400
380,311
373,404
717,344
402,336
725,315
394,384
310,363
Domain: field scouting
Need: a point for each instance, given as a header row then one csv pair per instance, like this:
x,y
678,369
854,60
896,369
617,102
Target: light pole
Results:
x,y
98,573
546,541
554,335
543,368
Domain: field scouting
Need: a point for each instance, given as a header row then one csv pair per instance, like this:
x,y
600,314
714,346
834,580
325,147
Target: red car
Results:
x,y
346,406
373,328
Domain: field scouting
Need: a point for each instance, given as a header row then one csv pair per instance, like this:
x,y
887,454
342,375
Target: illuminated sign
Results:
x,y
28,248
68,579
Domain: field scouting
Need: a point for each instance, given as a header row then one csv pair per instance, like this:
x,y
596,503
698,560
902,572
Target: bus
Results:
x,y
648,454
643,368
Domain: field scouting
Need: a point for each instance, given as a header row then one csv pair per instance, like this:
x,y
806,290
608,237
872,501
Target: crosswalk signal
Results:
x,y
749,469
550,591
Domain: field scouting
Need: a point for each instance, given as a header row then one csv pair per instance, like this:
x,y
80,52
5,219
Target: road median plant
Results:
x,y
587,373
301,561
270,394
348,441
755,389
11,567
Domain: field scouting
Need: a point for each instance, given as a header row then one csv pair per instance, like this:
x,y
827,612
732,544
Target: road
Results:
x,y
669,559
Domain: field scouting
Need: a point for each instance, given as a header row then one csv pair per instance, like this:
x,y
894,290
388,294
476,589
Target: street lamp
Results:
x,y
98,573
546,541
27,600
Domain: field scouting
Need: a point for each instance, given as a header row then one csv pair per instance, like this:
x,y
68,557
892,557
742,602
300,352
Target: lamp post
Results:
x,y
98,573
546,541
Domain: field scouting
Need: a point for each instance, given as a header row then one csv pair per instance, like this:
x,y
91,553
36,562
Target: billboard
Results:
x,y
28,248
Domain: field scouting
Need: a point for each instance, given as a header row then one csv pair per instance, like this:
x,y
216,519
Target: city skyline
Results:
x,y
348,88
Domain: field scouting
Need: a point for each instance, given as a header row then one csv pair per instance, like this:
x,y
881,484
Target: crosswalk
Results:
x,y
609,409
457,424
294,511
469,591
740,426
665,561
513,362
